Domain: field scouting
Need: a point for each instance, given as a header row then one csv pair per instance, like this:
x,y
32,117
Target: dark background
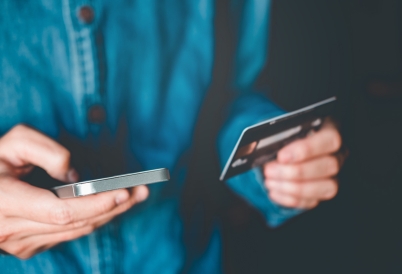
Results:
x,y
351,49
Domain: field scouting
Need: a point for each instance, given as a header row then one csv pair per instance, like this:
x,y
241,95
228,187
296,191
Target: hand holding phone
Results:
x,y
34,219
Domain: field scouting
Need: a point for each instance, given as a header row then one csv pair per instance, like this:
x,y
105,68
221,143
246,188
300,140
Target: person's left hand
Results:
x,y
304,172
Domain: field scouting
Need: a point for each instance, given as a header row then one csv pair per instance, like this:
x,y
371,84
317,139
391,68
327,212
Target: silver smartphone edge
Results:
x,y
111,183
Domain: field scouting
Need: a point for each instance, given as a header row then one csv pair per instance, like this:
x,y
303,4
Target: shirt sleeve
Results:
x,y
249,109
251,106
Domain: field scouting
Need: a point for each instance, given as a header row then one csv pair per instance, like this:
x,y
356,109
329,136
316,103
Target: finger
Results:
x,y
291,201
6,169
39,243
312,190
326,141
17,228
137,195
29,246
342,155
22,200
22,146
317,168
14,228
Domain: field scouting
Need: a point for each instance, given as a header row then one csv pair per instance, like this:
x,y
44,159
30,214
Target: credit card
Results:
x,y
260,143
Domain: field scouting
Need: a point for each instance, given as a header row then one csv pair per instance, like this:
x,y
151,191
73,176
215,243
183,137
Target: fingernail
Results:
x,y
72,176
286,157
141,194
122,197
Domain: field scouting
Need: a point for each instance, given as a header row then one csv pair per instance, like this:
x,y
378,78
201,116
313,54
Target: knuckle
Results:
x,y
296,172
293,202
76,234
4,236
333,166
334,190
331,195
336,141
121,209
19,129
84,232
62,158
272,196
90,229
275,197
330,191
61,215
304,150
296,189
128,205
312,205
26,256
80,224
5,233
104,207
16,250
64,237
16,132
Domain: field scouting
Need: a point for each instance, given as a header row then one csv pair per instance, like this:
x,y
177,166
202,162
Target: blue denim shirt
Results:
x,y
148,63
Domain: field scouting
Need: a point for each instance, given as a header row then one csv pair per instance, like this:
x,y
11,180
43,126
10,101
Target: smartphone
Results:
x,y
111,183
260,143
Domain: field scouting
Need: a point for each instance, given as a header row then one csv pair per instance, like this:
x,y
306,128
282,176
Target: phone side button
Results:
x,y
84,189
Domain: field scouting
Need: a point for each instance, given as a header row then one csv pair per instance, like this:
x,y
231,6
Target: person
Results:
x,y
91,89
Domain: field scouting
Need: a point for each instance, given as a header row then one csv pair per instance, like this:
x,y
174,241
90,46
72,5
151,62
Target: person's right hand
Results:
x,y
34,219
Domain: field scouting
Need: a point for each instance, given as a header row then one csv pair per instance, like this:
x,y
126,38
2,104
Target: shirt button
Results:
x,y
96,114
86,14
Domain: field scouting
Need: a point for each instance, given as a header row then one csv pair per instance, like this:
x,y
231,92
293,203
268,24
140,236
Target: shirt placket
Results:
x,y
85,44
81,23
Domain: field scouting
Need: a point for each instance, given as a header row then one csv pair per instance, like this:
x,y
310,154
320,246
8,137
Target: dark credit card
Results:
x,y
260,143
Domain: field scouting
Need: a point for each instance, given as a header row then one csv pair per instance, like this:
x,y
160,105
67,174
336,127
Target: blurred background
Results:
x,y
348,48
351,49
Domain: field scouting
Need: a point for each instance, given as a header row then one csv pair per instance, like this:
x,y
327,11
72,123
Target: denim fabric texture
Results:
x,y
147,65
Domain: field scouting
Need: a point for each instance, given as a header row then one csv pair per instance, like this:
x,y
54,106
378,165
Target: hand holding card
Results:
x,y
35,218
298,153
261,142
304,173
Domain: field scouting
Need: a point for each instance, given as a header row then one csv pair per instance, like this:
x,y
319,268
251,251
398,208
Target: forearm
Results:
x,y
249,109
